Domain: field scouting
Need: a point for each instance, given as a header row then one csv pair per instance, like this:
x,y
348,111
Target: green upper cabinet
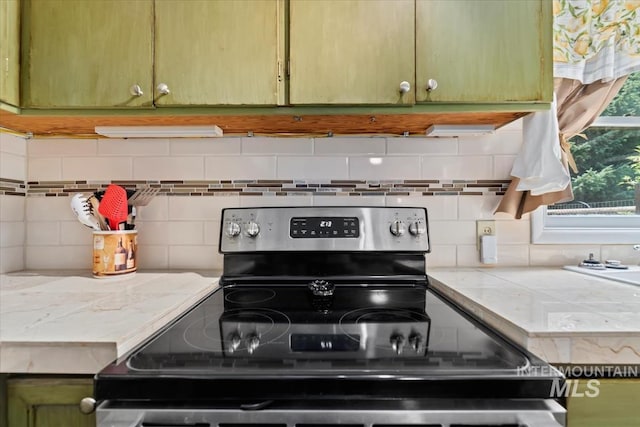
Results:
x,y
217,52
10,51
87,53
351,52
489,51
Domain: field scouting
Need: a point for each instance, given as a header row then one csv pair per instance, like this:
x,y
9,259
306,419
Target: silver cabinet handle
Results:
x,y
405,87
136,90
163,89
432,84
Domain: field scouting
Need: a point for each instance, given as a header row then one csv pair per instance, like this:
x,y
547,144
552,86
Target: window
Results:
x,y
606,205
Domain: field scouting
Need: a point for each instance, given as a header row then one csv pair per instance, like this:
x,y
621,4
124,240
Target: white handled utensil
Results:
x,y
83,211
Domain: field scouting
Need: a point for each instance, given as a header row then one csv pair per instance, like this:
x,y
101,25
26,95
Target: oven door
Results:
x,y
396,413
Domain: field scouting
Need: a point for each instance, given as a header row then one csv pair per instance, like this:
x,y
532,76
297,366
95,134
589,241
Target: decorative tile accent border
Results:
x,y
286,187
12,187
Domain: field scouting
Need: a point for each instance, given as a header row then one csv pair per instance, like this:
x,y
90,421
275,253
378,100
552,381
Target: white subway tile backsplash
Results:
x,y
351,146
43,233
13,166
205,146
441,256
433,146
211,233
45,169
182,232
623,253
49,209
348,200
438,207
502,166
133,147
270,146
307,167
192,256
294,200
449,167
452,232
156,210
240,167
11,259
153,232
152,256
11,234
13,144
199,208
167,168
477,207
12,208
508,255
384,168
185,232
513,232
62,147
74,233
561,255
513,255
502,142
97,168
59,257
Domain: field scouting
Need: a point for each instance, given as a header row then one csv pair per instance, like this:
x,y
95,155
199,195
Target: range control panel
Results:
x,y
323,227
340,228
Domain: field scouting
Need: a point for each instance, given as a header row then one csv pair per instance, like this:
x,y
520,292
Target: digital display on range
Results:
x,y
319,227
323,342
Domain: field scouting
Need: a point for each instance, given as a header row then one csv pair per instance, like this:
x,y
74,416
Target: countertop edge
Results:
x,y
556,347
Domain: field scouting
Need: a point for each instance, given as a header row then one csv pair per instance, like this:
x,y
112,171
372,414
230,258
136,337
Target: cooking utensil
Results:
x,y
114,206
83,211
143,196
95,210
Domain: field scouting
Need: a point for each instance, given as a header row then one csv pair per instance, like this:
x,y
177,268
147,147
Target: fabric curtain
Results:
x,y
596,46
577,106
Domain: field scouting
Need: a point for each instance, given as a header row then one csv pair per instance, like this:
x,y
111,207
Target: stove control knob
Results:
x,y
252,229
415,341
253,342
417,228
234,341
397,343
397,228
233,229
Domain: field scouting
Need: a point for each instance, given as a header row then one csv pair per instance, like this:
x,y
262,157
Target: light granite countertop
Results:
x,y
69,323
562,316
65,323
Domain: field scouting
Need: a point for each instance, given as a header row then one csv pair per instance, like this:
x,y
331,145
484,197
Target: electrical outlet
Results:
x,y
484,228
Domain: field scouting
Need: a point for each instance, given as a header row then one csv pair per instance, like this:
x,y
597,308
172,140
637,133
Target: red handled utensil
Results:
x,y
114,205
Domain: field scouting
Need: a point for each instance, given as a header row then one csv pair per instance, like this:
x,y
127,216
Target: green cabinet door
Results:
x,y
87,53
605,403
351,51
488,51
48,402
9,51
218,52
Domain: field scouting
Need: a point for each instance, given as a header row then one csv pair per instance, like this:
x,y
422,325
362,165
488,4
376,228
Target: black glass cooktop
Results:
x,y
359,331
281,342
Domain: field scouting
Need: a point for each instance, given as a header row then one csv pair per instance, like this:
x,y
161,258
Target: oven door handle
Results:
x,y
544,419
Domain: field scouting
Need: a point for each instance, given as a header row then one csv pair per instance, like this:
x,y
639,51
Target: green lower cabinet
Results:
x,y
604,403
48,402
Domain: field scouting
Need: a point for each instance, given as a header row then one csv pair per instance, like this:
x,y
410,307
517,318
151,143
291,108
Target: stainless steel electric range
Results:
x,y
324,317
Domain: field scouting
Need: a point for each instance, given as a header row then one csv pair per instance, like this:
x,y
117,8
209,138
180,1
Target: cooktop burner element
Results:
x,y
324,314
